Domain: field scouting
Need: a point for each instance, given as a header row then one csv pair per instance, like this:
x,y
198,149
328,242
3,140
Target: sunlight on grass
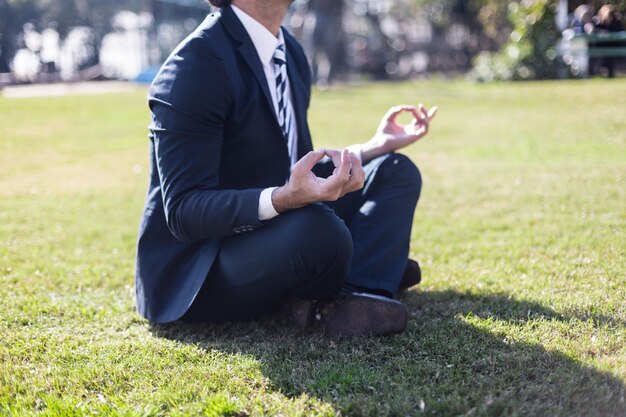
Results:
x,y
520,229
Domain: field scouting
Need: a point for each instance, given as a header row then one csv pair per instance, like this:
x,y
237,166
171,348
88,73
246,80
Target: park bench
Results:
x,y
581,48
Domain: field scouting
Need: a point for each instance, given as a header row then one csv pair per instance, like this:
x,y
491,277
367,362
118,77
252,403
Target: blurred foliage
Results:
x,y
485,21
459,29
530,52
486,17
449,34
498,39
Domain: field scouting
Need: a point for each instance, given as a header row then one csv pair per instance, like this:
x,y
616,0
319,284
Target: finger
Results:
x,y
308,161
422,112
418,129
395,111
334,155
425,125
415,126
427,115
345,164
355,160
414,112
422,129
415,131
357,177
341,175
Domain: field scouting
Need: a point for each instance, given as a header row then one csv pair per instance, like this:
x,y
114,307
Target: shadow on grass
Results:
x,y
462,354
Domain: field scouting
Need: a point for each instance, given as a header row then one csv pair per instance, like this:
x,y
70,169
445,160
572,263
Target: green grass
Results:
x,y
521,231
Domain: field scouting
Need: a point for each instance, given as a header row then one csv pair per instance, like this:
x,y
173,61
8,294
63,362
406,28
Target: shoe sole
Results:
x,y
363,314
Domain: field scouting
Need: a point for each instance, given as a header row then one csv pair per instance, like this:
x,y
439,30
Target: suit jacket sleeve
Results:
x,y
190,100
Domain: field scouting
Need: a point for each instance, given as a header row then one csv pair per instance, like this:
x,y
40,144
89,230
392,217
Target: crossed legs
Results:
x,y
305,253
359,243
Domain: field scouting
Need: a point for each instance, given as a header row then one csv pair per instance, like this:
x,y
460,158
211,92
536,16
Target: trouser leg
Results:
x,y
380,217
305,252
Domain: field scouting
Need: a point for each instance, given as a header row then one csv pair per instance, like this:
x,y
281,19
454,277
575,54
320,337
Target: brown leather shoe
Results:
x,y
362,314
412,275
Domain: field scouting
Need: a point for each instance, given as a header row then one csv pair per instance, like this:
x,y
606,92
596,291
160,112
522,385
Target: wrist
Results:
x,y
283,199
371,149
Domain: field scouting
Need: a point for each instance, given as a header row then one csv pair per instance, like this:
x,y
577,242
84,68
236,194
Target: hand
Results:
x,y
391,135
304,187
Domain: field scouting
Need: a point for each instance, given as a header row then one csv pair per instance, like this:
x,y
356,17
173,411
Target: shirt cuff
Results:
x,y
266,208
356,149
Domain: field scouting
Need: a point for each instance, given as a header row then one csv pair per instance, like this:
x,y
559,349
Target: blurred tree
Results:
x,y
530,52
383,38
463,28
524,30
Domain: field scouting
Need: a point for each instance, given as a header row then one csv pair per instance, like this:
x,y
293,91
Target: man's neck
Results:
x,y
269,13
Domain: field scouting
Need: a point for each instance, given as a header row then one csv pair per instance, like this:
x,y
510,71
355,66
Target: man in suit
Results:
x,y
242,215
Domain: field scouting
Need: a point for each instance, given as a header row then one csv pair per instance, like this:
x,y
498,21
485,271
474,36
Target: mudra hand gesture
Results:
x,y
391,135
304,187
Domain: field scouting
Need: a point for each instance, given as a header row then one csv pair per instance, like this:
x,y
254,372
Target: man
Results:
x,y
328,41
242,216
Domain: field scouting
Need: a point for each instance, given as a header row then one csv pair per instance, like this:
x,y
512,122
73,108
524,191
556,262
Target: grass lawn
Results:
x,y
521,231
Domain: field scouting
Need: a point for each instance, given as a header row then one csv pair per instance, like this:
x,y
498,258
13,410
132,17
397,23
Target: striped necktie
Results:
x,y
284,112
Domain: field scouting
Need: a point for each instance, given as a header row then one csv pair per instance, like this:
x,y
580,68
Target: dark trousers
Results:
x,y
360,241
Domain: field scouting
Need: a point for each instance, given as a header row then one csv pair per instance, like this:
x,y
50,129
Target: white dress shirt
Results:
x,y
265,44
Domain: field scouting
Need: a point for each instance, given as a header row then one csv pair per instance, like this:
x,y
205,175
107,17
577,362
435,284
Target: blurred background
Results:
x,y
47,41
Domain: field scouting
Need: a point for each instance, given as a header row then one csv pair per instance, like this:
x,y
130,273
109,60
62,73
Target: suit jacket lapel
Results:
x,y
252,58
248,51
298,86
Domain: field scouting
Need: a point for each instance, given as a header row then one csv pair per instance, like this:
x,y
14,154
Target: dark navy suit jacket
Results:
x,y
215,145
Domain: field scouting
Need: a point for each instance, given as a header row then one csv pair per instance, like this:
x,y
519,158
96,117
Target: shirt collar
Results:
x,y
264,41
